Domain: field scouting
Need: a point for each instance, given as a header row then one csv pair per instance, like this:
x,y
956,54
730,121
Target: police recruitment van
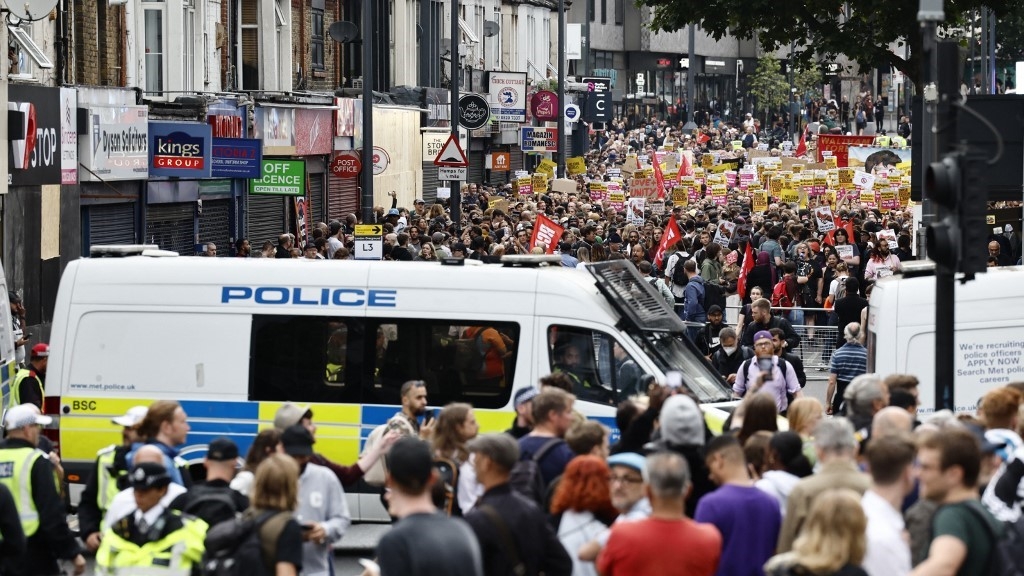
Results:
x,y
232,339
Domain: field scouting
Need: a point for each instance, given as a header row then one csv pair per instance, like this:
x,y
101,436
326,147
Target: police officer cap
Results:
x,y
146,475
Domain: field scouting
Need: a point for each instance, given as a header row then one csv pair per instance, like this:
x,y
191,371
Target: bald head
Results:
x,y
148,453
891,421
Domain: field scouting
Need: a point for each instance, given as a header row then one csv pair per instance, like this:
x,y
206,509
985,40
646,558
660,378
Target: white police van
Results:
x,y
232,339
989,340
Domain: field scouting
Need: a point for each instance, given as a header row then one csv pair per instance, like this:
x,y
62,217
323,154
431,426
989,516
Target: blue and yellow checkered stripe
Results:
x,y
341,429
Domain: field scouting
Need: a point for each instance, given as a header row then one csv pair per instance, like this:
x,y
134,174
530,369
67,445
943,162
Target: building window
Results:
x,y
604,11
620,11
603,59
249,51
591,9
156,69
188,19
317,39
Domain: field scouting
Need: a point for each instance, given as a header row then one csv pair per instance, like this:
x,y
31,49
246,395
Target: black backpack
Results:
x,y
1006,557
679,272
526,477
446,489
470,355
235,547
713,295
212,505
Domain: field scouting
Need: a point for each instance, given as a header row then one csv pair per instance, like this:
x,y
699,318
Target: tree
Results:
x,y
807,79
861,30
769,86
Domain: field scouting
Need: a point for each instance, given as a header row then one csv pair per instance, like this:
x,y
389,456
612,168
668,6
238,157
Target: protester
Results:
x,y
832,541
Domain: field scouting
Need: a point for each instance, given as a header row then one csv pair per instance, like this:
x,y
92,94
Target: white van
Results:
x,y
989,341
8,358
232,339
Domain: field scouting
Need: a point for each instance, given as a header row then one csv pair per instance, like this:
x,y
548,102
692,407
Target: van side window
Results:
x,y
305,358
600,370
458,362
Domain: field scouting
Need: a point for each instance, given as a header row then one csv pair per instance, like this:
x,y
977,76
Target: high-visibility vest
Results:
x,y
173,555
882,141
16,473
106,487
16,387
899,141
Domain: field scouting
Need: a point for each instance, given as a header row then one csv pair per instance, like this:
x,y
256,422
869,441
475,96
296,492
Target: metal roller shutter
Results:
x,y
215,225
172,227
430,183
111,224
264,219
475,174
515,161
342,197
316,199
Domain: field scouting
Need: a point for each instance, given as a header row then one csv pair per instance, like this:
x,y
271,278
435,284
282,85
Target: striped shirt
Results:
x,y
850,361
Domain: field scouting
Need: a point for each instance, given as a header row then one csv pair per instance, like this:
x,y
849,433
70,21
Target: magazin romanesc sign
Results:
x,y
281,178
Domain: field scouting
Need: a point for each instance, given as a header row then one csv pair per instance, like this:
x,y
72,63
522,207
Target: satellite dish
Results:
x,y
30,10
491,28
343,32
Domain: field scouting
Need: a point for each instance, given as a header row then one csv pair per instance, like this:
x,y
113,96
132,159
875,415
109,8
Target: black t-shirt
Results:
x,y
289,545
429,545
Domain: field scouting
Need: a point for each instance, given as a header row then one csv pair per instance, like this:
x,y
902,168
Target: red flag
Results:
x,y
686,166
546,231
671,235
748,265
659,177
801,149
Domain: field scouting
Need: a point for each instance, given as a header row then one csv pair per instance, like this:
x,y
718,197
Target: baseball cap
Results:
x,y
409,462
334,226
290,414
297,441
418,201
222,450
762,335
41,350
147,475
133,417
525,395
393,212
629,460
715,309
25,415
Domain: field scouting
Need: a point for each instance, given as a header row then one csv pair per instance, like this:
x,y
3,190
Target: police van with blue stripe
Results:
x,y
233,339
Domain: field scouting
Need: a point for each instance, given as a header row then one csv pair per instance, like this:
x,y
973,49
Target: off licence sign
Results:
x,y
281,178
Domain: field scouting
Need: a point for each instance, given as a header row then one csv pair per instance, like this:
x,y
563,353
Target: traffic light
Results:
x,y
957,239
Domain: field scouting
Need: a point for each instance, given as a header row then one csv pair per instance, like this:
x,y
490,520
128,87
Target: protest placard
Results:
x,y
724,232
576,165
823,216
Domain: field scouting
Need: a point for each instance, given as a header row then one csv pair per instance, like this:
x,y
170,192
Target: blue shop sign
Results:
x,y
179,149
237,158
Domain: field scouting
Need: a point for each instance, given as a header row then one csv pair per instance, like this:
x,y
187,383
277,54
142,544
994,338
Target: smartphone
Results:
x,y
307,527
765,364
431,414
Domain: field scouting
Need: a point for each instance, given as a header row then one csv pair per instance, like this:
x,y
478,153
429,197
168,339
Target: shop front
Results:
x,y
179,158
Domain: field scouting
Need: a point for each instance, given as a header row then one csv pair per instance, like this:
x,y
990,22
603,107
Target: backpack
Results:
x,y
679,272
526,477
861,117
840,288
212,505
244,546
713,295
470,354
447,487
1006,557
780,296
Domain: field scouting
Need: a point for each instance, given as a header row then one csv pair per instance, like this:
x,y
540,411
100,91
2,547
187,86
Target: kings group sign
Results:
x,y
179,149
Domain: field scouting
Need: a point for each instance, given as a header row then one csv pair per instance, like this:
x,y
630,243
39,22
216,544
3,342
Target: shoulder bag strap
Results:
x,y
518,568
547,447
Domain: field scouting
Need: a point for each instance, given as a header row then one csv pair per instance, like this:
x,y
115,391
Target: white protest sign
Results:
x,y
635,210
864,180
823,214
723,235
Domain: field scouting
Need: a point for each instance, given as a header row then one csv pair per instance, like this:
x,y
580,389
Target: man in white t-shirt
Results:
x,y
891,459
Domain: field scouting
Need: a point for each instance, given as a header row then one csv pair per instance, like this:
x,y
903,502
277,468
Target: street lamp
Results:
x,y
794,120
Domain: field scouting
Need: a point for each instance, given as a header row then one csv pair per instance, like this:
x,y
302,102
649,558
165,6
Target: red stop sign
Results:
x,y
346,165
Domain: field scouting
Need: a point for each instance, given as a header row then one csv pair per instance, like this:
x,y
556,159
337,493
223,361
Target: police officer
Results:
x,y
29,381
152,537
108,478
27,472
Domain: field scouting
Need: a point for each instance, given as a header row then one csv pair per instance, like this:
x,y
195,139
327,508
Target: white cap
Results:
x,y
1008,228
133,417
23,416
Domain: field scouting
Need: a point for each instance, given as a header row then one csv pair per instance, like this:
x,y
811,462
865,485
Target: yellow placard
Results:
x,y
547,166
540,183
798,168
788,195
644,173
707,160
719,168
776,184
576,165
760,201
904,195
831,162
680,196
867,198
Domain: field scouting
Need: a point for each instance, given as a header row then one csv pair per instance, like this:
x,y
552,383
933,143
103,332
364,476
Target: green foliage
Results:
x,y
768,84
862,30
807,79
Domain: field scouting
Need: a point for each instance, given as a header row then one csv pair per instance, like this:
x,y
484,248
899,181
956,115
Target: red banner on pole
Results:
x,y
671,235
748,265
546,232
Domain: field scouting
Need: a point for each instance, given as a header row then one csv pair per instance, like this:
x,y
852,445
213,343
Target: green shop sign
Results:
x,y
281,178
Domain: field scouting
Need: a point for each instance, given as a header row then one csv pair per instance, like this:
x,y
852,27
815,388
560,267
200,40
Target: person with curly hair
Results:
x,y
582,507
